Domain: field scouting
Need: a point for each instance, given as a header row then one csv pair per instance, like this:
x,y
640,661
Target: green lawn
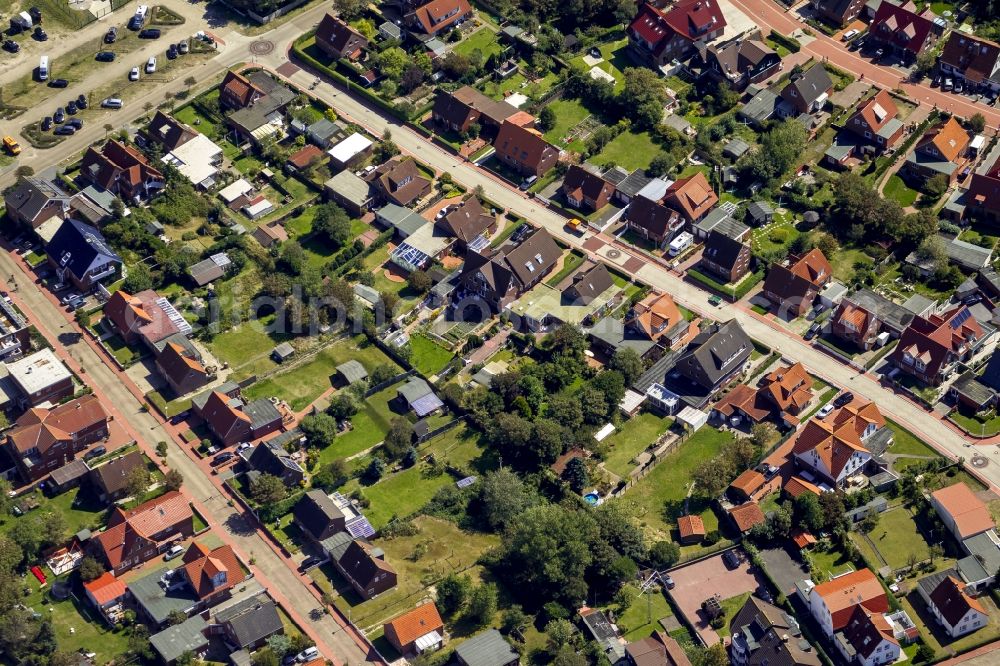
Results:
x,y
629,151
976,426
843,261
933,635
483,40
896,537
642,617
401,494
616,59
669,480
302,384
730,607
898,190
428,356
830,563
905,443
78,508
569,114
571,262
247,348
631,439
369,427
121,351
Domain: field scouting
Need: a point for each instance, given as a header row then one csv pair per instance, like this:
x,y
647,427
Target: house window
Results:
x,y
920,365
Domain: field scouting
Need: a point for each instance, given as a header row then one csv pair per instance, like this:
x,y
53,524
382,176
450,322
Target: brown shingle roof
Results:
x,y
523,145
467,221
952,601
203,569
974,57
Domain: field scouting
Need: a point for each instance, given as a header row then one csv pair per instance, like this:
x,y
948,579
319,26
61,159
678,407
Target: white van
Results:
x,y
681,243
151,65
138,18
43,68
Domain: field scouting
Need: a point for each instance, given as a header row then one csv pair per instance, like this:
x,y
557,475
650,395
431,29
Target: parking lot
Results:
x,y
697,582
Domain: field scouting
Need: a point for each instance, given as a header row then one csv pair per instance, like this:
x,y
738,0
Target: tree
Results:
x,y
513,620
138,279
138,642
869,523
935,551
911,561
419,282
383,372
925,62
714,655
503,496
332,475
392,62
977,123
280,644
90,569
713,476
576,475
452,593
808,512
175,617
762,434
349,9
661,165
936,186
267,489
320,429
925,653
627,362
162,448
333,223
265,657
546,119
173,480
779,150
664,554
643,95
558,633
366,28
137,482
482,604
399,438
374,471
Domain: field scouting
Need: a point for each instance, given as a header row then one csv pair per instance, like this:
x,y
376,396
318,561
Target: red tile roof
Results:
x,y
688,19
748,482
212,572
789,388
106,588
690,526
970,514
40,428
655,315
873,114
838,436
865,631
845,592
302,158
900,27
418,622
947,140
935,339
128,531
692,196
796,486
745,516
240,88
222,417
431,15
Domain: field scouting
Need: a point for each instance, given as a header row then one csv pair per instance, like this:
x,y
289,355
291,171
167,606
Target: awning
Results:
x,y
428,641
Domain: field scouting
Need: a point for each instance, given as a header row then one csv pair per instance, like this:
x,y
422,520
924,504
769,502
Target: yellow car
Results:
x,y
12,146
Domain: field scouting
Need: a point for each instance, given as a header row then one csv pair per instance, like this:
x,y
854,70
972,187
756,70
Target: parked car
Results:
x,y
65,300
527,182
151,65
59,116
58,83
595,52
46,123
849,35
65,130
40,34
308,654
75,122
879,53
175,551
309,563
731,559
11,45
242,446
112,35
95,452
948,84
111,103
79,301
133,74
222,458
105,56
824,411
150,33
715,300
81,101
843,399
171,52
668,581
812,332
182,47
959,86
71,107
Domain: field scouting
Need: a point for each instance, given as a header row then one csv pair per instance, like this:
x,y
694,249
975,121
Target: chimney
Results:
x,y
784,638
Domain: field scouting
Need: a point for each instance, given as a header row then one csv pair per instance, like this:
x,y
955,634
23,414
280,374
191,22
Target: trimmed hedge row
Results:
x,y
788,42
733,293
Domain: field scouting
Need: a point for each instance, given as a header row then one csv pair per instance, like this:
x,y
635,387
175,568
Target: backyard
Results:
x,y
368,427
483,40
428,357
642,616
894,540
568,113
898,190
629,150
631,439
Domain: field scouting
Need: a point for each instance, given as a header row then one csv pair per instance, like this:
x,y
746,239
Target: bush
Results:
x,y
788,42
712,538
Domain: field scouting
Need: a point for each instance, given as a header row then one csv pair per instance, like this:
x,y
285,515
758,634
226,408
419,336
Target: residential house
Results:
x,y
783,395
690,529
44,439
416,631
763,633
238,92
15,335
271,234
143,317
486,649
660,36
746,516
657,318
34,201
416,395
138,535
524,150
692,197
211,573
714,358
177,641
867,639
984,191
724,258
739,61
198,160
317,515
400,181
719,219
180,363
949,600
438,15
247,626
80,256
121,169
110,479
876,121
657,649
166,132
271,458
653,221
962,512
972,60
497,279
41,377
233,421
459,110
832,603
838,12
585,190
901,31
834,448
805,92
749,486
932,346
855,323
361,564
793,284
108,595
339,40
938,152
468,222
350,192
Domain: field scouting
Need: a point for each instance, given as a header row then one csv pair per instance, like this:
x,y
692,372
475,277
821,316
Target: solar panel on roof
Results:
x,y
359,528
466,482
961,318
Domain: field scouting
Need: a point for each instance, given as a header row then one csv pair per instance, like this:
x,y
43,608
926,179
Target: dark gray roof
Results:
x,y
615,175
255,624
759,210
811,84
613,333
721,249
225,387
157,600
715,353
895,316
261,412
929,583
770,635
315,511
971,569
735,148
188,636
968,255
984,549
81,248
720,220
991,374
71,471
487,649
969,386
633,183
30,195
403,220
352,371
336,545
760,107
113,475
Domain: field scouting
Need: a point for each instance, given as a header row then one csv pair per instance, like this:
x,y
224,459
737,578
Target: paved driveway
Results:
x,y
785,569
697,582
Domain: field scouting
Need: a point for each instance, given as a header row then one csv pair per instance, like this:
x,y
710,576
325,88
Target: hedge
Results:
x,y
788,42
733,293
